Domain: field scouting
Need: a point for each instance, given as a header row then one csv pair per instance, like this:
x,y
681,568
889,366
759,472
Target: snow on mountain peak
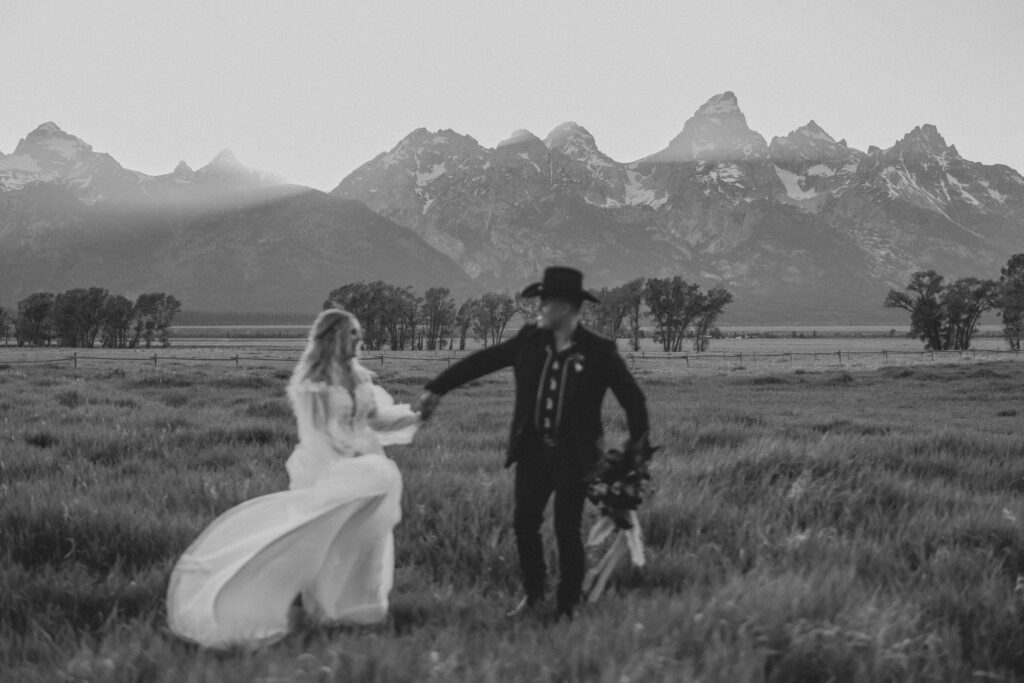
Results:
x,y
49,141
926,133
571,138
717,132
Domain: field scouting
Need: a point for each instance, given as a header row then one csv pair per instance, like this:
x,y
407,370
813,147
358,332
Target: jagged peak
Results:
x,y
812,129
568,127
225,164
722,103
48,128
415,135
422,137
809,131
565,131
519,137
183,169
52,137
927,133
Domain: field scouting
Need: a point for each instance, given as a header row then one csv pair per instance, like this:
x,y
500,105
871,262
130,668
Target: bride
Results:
x,y
327,540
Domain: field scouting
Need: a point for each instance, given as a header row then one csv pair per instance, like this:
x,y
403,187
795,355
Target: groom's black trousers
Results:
x,y
542,470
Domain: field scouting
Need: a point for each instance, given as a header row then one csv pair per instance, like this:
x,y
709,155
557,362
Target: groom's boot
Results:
x,y
526,607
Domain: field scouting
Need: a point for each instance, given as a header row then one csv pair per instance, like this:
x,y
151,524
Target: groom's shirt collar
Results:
x,y
577,335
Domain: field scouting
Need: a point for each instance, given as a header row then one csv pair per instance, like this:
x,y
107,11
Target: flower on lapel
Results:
x,y
577,361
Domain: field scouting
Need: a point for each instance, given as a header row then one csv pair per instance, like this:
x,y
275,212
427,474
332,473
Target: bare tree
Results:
x,y
944,317
34,324
5,325
633,296
492,315
921,298
964,302
438,315
673,303
154,313
464,318
712,305
77,316
1010,300
116,322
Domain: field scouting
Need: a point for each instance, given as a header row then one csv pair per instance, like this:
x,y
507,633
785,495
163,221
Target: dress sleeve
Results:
x,y
394,423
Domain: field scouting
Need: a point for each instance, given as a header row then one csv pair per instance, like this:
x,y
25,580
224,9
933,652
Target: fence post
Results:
x,y
154,360
790,354
741,359
74,359
236,361
839,354
382,358
885,354
449,359
687,360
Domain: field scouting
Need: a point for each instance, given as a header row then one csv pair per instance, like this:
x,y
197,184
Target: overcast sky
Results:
x,y
310,90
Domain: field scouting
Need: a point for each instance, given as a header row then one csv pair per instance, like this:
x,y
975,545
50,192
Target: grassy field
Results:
x,y
809,525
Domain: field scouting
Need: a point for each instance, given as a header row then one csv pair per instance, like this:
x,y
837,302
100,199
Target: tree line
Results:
x,y
81,317
944,315
399,318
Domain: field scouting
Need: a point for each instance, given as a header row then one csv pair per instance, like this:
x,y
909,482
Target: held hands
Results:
x,y
427,404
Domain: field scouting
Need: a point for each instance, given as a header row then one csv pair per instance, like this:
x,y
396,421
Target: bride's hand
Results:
x,y
427,404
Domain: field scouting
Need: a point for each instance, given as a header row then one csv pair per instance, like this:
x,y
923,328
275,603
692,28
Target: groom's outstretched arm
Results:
x,y
478,364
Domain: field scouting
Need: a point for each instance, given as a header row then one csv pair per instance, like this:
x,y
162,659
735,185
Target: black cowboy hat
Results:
x,y
560,282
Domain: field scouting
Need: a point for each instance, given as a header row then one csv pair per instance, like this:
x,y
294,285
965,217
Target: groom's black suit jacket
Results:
x,y
600,368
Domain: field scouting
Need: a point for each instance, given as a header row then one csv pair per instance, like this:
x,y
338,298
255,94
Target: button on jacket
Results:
x,y
551,392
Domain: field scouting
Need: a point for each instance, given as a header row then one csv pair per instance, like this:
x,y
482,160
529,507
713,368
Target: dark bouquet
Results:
x,y
620,481
618,484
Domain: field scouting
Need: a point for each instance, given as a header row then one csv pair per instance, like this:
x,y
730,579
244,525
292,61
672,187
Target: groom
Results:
x,y
562,371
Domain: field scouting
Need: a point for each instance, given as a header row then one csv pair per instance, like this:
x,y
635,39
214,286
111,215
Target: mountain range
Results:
x,y
223,237
802,228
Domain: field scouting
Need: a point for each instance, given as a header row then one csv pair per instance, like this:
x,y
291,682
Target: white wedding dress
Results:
x,y
327,538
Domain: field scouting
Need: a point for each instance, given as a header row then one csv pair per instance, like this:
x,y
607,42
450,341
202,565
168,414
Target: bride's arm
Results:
x,y
388,416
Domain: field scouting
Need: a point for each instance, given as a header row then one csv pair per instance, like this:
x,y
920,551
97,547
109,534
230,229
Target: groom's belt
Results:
x,y
552,440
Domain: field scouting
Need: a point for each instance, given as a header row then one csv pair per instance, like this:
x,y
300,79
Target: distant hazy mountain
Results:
x,y
803,228
223,237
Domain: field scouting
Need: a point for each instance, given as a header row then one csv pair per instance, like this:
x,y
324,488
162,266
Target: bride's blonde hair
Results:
x,y
328,360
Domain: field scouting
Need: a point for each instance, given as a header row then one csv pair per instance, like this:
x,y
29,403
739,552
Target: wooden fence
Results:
x,y
381,359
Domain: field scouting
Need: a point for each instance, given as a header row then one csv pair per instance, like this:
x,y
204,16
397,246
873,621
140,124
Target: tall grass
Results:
x,y
807,526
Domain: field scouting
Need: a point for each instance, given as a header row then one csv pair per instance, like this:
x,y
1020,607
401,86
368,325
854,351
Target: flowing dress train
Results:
x,y
327,538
